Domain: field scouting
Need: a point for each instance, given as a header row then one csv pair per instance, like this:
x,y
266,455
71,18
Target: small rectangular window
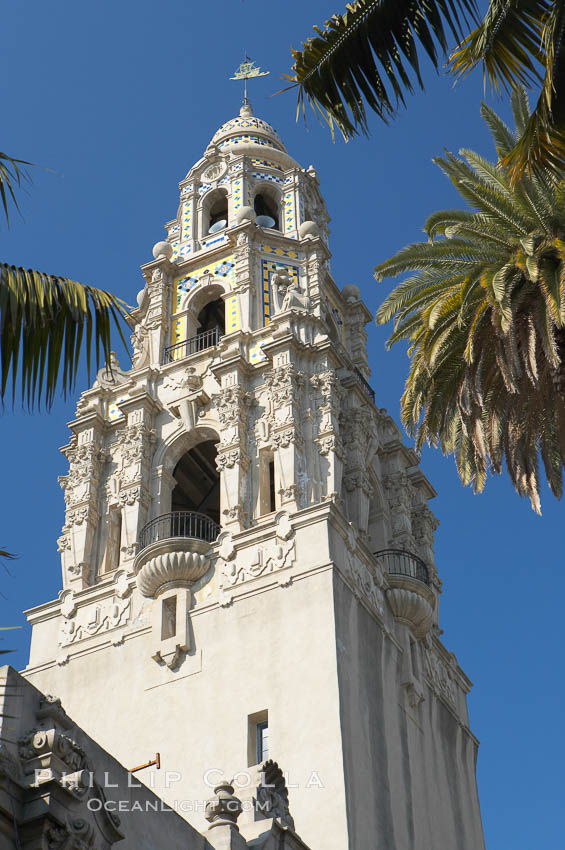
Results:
x,y
169,618
272,484
262,741
258,737
267,484
113,541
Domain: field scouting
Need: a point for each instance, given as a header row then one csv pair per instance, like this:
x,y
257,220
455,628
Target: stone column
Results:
x,y
356,316
81,487
132,455
329,443
159,276
399,495
245,288
285,383
232,405
163,484
360,441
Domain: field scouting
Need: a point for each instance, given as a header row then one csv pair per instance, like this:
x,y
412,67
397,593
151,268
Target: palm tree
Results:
x,y
349,62
46,321
484,315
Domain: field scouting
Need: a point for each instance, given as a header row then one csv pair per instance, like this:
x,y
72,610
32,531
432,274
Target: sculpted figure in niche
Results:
x,y
289,294
140,343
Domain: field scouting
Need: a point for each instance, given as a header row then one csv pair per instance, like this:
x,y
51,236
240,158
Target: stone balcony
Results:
x,y
174,551
409,594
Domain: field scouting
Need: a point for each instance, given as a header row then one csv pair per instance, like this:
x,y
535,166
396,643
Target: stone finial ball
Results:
x,y
245,214
308,228
162,249
140,295
351,292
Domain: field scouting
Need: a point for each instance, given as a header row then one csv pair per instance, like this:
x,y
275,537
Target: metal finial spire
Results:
x,y
246,71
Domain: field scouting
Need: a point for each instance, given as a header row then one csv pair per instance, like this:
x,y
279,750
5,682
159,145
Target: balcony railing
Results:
x,y
200,342
397,562
364,384
179,524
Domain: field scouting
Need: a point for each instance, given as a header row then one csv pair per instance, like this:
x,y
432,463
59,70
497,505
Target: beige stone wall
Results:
x,y
273,648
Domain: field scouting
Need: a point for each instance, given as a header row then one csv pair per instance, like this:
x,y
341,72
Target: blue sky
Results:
x,y
115,102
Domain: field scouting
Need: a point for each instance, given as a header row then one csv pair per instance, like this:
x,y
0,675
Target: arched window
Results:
x,y
212,316
197,485
215,212
266,209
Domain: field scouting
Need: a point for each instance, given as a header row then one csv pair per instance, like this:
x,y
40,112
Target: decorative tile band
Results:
x,y
114,411
179,329
255,354
244,123
232,314
207,243
280,252
236,193
289,218
266,162
186,220
262,175
256,140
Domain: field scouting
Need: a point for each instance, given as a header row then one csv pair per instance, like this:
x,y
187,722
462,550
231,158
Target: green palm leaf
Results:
x,y
11,176
366,56
46,322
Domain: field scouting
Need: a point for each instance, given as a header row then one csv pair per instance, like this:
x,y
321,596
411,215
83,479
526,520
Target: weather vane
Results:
x,y
246,71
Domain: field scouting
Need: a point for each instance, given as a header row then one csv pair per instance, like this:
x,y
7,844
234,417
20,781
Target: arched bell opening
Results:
x,y
211,321
266,205
215,212
197,482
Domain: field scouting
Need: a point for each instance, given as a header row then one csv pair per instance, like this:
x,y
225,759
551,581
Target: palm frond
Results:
x,y
520,43
364,57
11,176
507,43
46,321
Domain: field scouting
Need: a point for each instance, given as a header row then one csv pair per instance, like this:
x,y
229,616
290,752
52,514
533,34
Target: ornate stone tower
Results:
x,y
247,554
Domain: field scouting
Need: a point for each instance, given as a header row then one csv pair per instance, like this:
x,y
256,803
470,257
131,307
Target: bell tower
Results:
x,y
247,553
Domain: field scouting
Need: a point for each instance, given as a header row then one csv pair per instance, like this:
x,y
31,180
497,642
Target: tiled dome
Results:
x,y
247,128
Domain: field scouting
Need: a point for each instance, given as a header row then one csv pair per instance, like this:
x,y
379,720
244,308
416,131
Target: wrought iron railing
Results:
x,y
401,563
365,384
179,524
200,342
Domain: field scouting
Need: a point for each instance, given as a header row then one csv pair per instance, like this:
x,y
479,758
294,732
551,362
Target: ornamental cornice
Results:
x,y
331,443
231,404
287,436
246,564
356,479
230,458
440,678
